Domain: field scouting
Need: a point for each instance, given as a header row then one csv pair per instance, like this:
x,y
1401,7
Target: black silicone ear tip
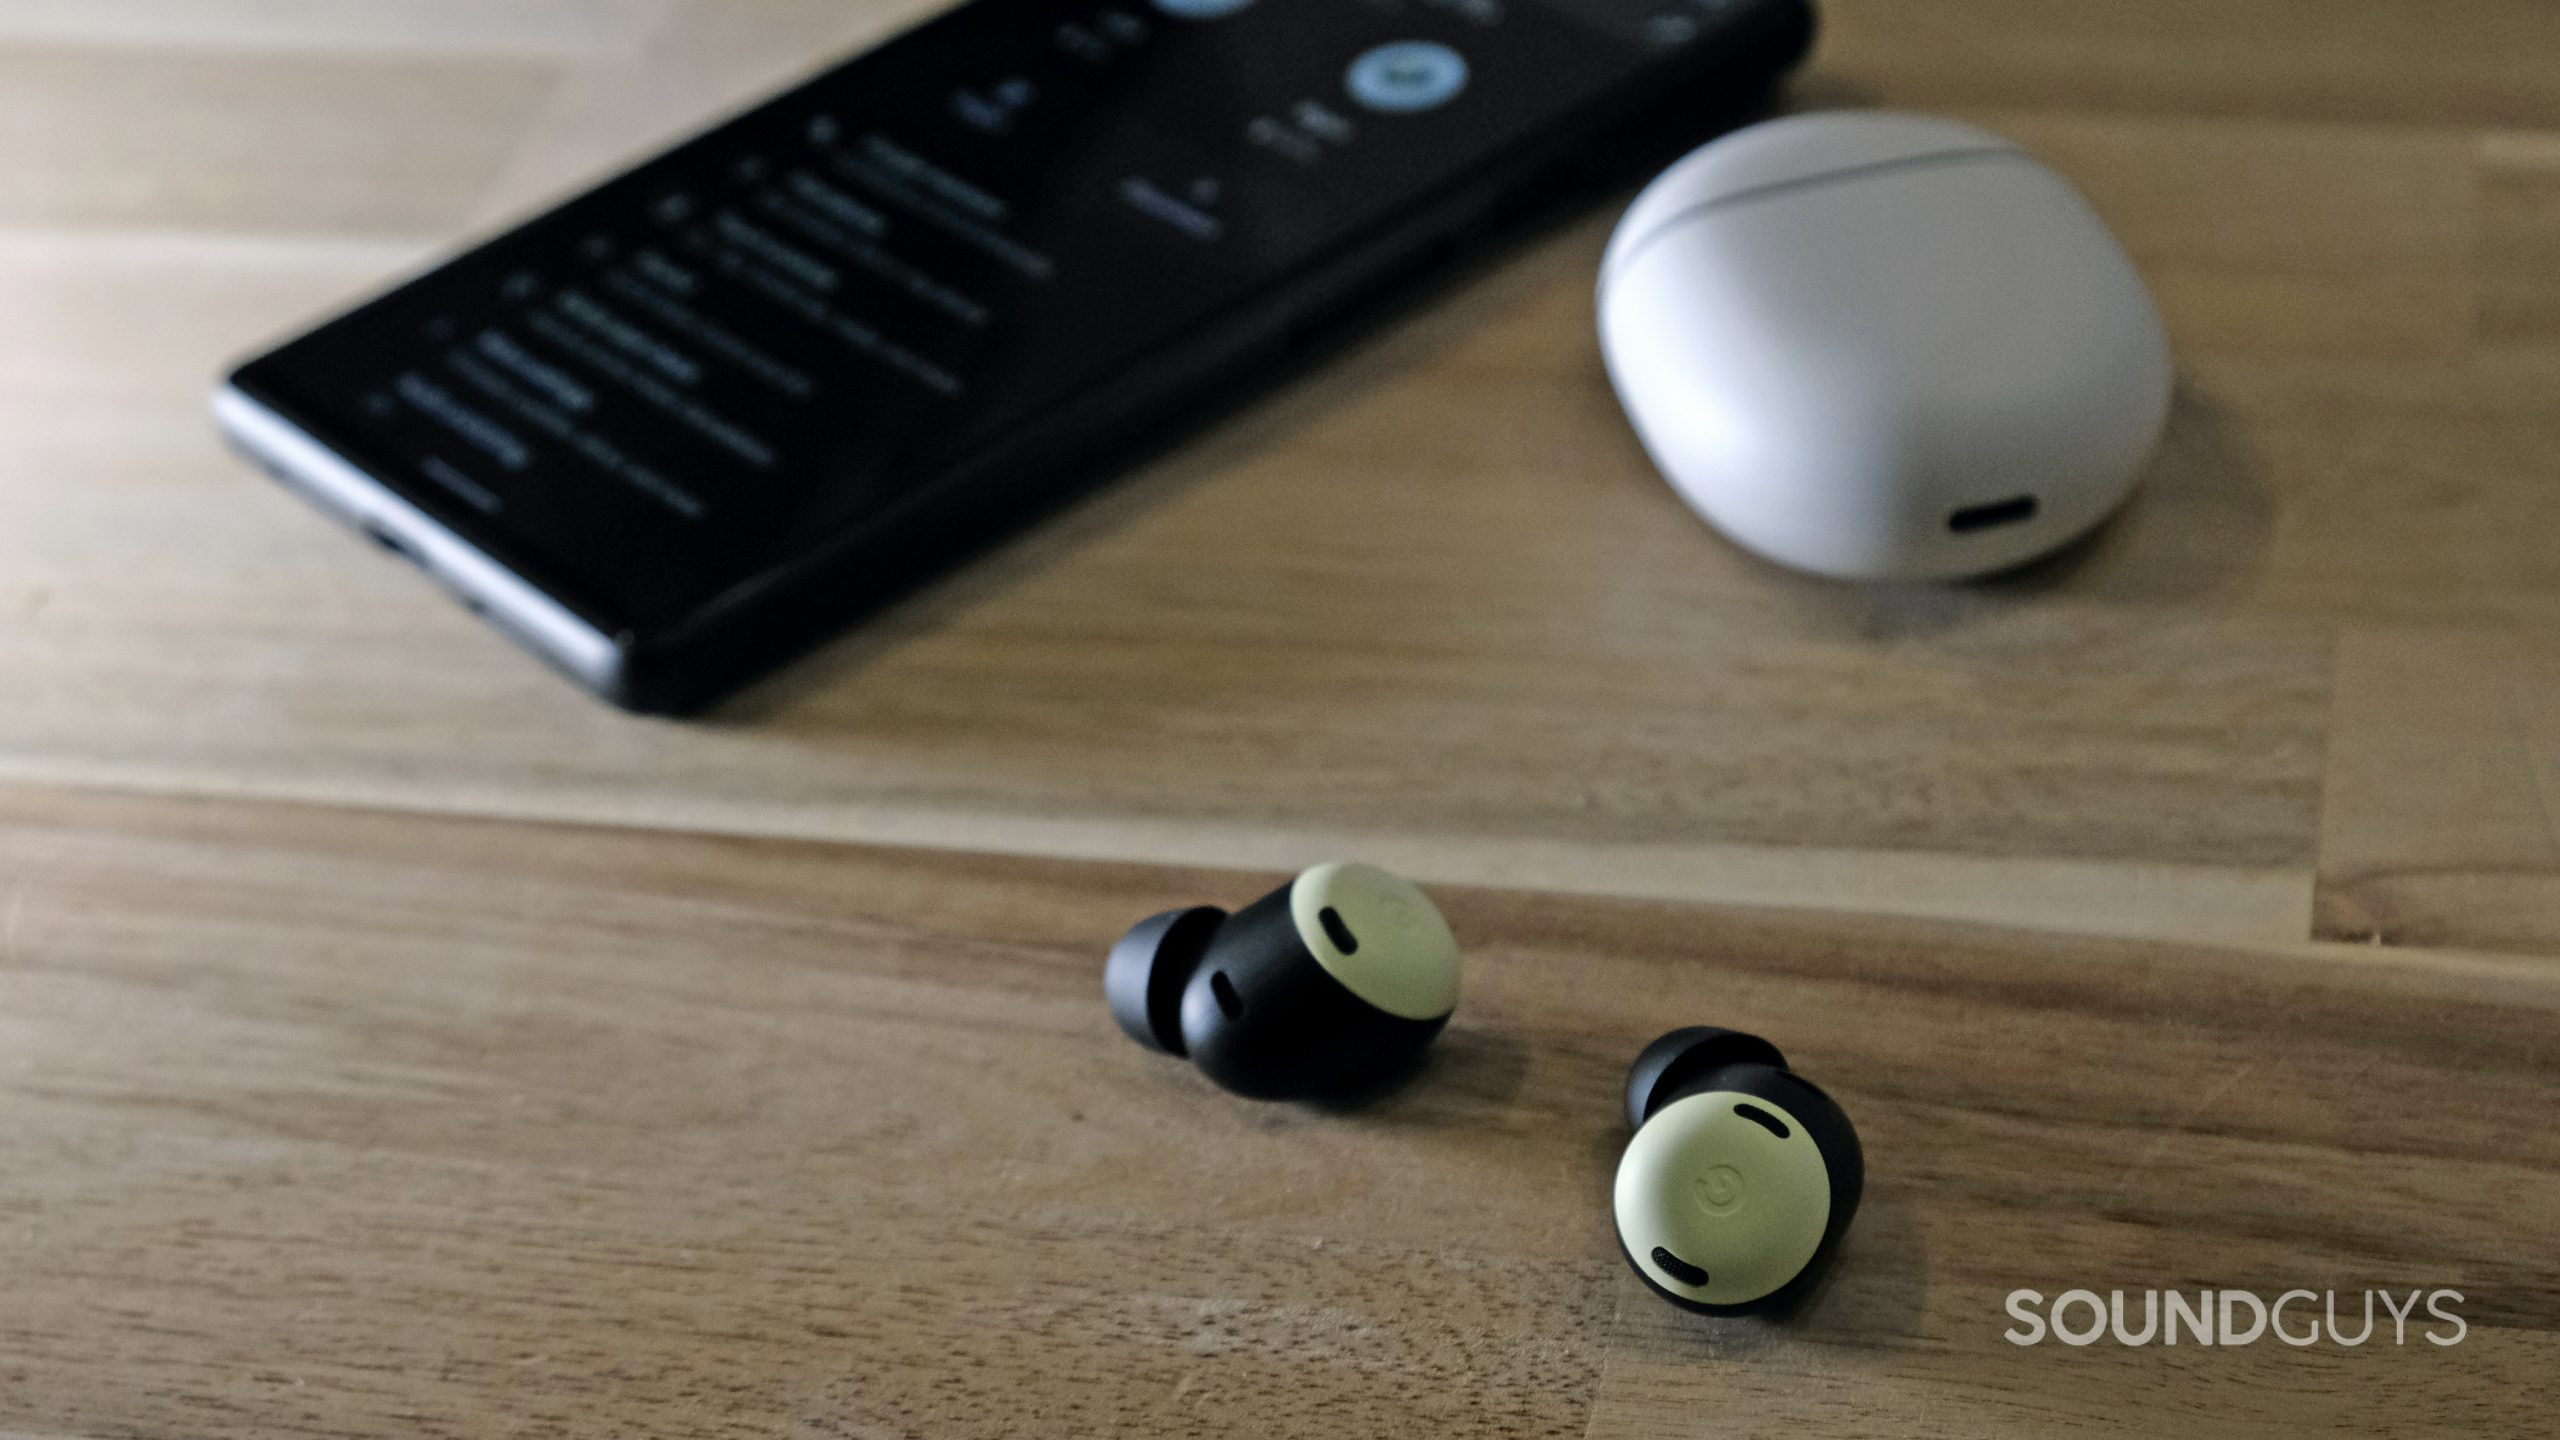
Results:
x,y
1147,970
1683,1055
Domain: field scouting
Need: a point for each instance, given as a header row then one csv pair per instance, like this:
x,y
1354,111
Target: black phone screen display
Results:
x,y
698,370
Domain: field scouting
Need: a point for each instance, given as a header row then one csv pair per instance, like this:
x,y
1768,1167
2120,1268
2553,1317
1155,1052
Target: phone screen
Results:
x,y
660,390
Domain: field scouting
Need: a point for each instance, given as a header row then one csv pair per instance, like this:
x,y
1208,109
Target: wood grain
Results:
x,y
419,1109
2443,823
344,1123
155,138
2341,206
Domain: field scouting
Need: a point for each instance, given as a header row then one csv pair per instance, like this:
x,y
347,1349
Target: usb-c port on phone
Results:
x,y
400,547
392,543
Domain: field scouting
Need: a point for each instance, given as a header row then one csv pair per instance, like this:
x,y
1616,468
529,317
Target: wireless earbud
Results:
x,y
1742,1176
1322,989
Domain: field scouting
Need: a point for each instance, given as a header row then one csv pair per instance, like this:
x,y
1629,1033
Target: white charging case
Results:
x,y
1883,347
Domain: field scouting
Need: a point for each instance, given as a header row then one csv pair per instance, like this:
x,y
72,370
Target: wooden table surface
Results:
x,y
394,1042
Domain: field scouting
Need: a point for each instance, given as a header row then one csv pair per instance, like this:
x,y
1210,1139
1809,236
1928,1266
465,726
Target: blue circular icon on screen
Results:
x,y
1200,9
1407,77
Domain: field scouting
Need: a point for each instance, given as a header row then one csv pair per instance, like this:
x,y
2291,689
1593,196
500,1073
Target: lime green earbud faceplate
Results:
x,y
1725,1194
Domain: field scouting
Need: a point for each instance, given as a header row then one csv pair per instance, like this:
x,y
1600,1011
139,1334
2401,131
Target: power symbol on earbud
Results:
x,y
1720,1190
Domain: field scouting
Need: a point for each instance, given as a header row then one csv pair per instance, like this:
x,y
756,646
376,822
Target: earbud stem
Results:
x,y
1145,976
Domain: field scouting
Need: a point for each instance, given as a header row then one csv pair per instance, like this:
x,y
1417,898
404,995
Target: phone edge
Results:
x,y
334,485
745,638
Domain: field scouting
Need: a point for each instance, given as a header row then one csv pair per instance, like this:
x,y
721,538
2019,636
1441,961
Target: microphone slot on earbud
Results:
x,y
1338,931
1764,1120
1679,1269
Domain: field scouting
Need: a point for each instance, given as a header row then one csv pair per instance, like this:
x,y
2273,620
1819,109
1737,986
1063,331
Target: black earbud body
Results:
x,y
1326,989
1741,1178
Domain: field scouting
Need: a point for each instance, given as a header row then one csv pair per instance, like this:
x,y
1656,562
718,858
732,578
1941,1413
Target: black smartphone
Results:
x,y
691,422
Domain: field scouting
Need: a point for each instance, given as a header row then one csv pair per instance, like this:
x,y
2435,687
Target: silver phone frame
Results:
x,y
364,504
